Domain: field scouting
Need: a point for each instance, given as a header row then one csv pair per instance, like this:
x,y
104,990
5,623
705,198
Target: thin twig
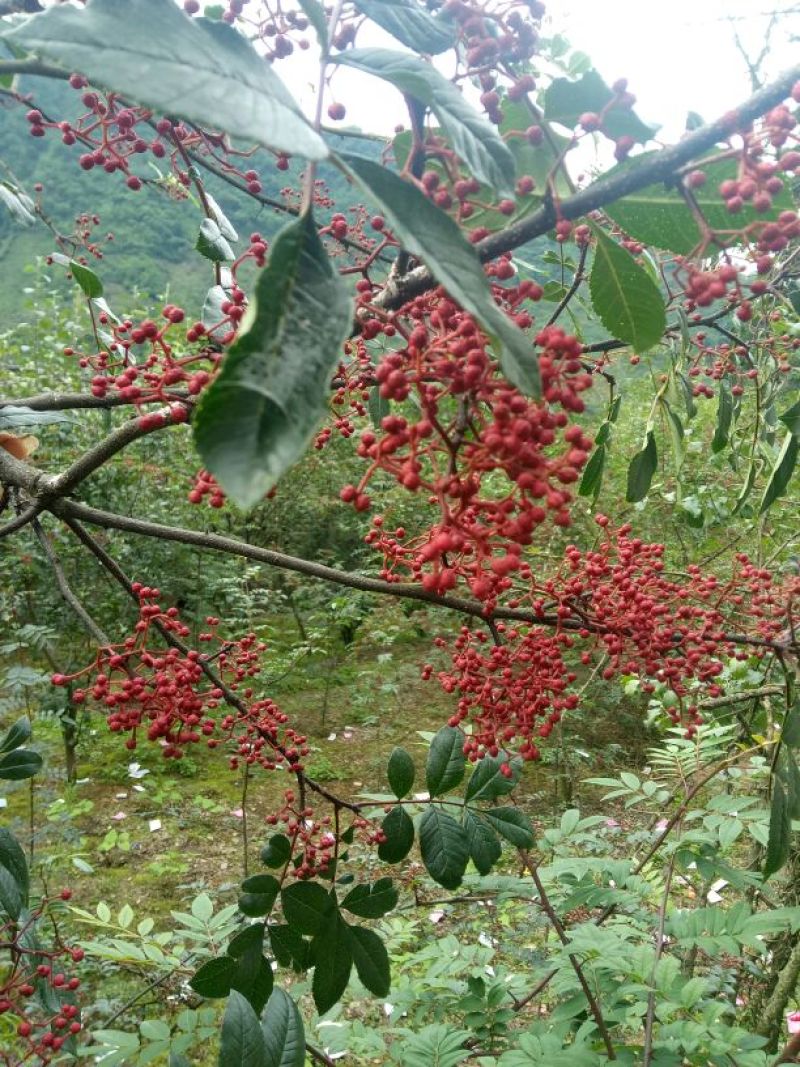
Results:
x,y
65,589
647,1052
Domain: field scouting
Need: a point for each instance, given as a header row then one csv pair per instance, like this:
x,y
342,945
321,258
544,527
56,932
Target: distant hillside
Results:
x,y
154,236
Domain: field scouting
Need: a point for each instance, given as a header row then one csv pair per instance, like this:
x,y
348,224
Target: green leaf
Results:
x,y
659,216
779,477
23,763
213,979
251,938
473,138
260,893
333,961
676,433
401,772
780,829
409,23
434,237
482,842
19,204
282,1028
308,907
86,279
399,830
277,851
315,13
444,847
512,824
11,896
254,979
624,296
724,417
12,858
289,948
487,781
792,780
212,244
592,477
371,960
445,765
371,901
199,70
378,406
565,101
791,419
16,735
790,734
641,470
242,1042
17,416
257,417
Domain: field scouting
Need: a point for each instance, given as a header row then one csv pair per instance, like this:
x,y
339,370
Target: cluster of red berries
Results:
x,y
472,425
312,839
206,485
38,993
167,693
617,602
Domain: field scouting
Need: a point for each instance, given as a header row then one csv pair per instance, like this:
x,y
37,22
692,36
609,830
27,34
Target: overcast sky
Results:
x,y
678,55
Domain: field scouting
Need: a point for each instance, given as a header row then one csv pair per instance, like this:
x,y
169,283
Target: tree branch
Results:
x,y
65,589
657,167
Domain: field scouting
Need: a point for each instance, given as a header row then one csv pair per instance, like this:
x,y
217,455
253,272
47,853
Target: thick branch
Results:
x,y
660,166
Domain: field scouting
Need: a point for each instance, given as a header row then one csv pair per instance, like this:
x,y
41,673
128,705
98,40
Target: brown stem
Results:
x,y
647,1052
558,926
64,587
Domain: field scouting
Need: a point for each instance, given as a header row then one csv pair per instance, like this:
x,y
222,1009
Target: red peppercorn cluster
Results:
x,y
313,838
613,601
206,485
166,693
472,426
35,991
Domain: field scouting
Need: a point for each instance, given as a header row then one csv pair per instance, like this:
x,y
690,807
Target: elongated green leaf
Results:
x,y
565,101
212,244
333,961
371,901
256,419
260,893
472,137
277,851
641,470
199,70
444,847
19,204
410,23
86,279
512,824
676,433
487,781
398,828
289,948
722,429
11,897
482,842
284,1035
434,237
791,419
17,734
371,960
659,216
315,13
792,781
401,772
779,477
242,1043
13,859
780,829
592,477
445,764
308,907
790,733
213,978
23,763
625,297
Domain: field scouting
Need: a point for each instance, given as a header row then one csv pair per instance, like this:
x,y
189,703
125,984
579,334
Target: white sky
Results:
x,y
678,55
